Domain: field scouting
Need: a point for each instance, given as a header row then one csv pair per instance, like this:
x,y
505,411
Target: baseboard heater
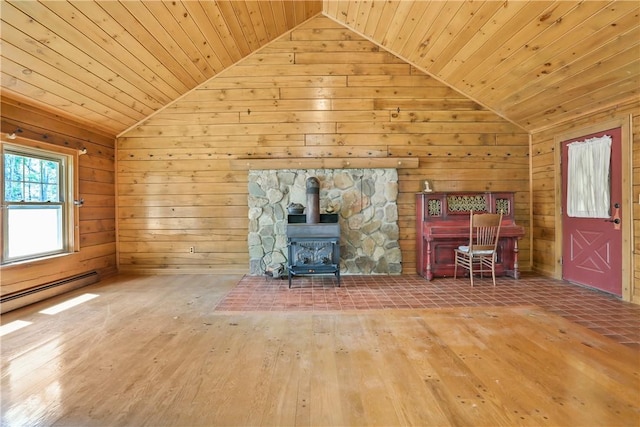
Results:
x,y
47,290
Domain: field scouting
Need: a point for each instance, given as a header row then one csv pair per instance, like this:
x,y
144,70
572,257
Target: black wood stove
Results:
x,y
313,248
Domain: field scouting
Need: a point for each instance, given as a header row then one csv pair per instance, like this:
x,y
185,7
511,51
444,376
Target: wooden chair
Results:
x,y
484,231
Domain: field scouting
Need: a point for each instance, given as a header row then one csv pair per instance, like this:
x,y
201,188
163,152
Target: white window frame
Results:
x,y
68,194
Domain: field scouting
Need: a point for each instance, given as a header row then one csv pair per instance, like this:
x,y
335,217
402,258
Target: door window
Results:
x,y
588,178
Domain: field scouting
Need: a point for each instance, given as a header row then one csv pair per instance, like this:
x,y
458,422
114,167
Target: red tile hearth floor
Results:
x,y
595,310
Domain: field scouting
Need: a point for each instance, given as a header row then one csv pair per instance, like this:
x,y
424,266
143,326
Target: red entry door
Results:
x,y
592,247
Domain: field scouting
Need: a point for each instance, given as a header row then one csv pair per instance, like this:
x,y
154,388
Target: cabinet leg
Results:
x,y
516,271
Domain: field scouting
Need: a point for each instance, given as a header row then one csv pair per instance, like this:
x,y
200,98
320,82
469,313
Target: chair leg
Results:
x,y
455,267
471,270
493,270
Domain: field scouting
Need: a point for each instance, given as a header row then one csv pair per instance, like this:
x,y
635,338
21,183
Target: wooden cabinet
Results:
x,y
442,224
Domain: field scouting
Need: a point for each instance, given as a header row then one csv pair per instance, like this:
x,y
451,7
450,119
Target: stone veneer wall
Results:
x,y
364,199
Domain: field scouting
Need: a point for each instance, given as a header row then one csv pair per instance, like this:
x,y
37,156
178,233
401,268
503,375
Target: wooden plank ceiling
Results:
x,y
111,64
536,63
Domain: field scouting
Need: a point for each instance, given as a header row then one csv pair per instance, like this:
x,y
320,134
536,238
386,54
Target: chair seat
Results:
x,y
477,252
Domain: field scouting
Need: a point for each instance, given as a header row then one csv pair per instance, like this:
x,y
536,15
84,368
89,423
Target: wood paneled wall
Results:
x,y
318,91
97,188
545,258
635,198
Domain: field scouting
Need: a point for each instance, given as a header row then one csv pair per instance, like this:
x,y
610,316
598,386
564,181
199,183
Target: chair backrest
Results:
x,y
484,230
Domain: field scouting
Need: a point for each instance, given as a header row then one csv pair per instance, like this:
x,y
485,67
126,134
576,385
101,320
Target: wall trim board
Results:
x,y
326,163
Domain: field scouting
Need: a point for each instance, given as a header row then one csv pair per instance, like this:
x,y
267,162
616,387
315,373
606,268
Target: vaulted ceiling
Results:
x,y
110,64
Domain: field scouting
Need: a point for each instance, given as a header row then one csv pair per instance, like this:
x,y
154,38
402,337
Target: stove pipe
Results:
x,y
313,200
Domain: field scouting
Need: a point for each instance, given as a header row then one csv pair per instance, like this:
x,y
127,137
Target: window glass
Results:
x,y
30,179
34,230
588,181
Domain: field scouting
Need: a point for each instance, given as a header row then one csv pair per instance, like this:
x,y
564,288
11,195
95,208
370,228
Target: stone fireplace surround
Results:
x,y
364,199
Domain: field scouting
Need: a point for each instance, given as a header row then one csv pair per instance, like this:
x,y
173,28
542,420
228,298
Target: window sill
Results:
x,y
35,261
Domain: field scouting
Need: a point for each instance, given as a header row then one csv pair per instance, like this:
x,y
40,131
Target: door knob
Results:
x,y
615,218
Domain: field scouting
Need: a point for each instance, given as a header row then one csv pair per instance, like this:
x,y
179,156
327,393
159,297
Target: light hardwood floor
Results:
x,y
150,350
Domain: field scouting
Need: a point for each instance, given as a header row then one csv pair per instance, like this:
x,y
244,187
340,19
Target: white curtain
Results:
x,y
588,183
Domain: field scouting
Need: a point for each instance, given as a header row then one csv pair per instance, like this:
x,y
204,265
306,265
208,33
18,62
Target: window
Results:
x,y
38,209
588,178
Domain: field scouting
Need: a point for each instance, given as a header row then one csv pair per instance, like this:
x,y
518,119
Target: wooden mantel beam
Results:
x,y
326,163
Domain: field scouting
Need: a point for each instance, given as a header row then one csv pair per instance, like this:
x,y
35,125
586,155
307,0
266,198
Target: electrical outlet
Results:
x,y
192,249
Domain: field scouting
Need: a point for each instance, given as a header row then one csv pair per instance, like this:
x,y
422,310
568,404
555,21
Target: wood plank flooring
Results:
x,y
151,350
